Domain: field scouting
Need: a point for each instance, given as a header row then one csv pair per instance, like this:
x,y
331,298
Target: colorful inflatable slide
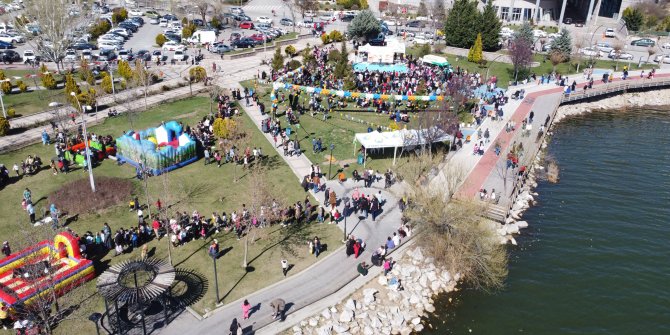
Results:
x,y
30,272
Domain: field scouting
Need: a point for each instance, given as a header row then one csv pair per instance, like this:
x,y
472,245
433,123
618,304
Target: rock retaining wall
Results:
x,y
378,308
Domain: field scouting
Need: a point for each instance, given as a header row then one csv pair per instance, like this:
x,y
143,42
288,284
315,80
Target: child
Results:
x,y
246,307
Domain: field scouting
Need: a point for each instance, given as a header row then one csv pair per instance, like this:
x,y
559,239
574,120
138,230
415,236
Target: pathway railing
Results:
x,y
614,87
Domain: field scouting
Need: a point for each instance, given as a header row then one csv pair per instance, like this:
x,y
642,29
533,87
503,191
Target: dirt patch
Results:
x,y
77,197
183,116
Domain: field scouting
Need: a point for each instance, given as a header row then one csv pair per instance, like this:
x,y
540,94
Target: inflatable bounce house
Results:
x,y
159,149
99,151
26,274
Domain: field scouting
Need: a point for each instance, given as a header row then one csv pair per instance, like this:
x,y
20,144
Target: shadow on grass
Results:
x,y
189,287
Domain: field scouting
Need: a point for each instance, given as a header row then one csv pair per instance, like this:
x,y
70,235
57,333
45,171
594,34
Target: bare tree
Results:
x,y
201,7
521,54
651,51
57,24
617,47
576,57
305,5
292,9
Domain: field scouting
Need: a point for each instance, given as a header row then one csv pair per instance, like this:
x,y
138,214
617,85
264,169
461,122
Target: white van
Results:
x,y
202,37
163,22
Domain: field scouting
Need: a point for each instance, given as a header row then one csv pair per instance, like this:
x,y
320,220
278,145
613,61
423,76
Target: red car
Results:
x,y
247,25
260,37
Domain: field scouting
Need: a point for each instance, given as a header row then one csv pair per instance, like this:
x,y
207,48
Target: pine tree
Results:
x,y
71,86
423,10
459,30
477,54
526,32
562,44
489,27
277,60
633,18
364,26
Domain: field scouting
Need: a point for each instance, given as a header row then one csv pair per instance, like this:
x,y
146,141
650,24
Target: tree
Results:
x,y
562,44
305,5
439,12
423,10
85,73
290,51
460,26
195,75
364,26
57,27
161,39
106,83
475,55
277,60
556,58
119,14
455,235
489,27
142,77
520,54
71,86
4,126
201,7
525,32
49,81
6,87
651,51
224,128
633,18
125,70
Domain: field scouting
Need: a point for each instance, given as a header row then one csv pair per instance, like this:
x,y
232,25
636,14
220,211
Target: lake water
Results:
x,y
596,257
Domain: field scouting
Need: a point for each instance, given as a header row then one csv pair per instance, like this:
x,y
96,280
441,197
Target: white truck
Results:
x,y
202,37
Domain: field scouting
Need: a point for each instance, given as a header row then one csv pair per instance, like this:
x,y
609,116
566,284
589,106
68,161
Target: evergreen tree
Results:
x,y
633,18
277,60
562,44
476,54
459,30
71,86
365,25
526,32
489,27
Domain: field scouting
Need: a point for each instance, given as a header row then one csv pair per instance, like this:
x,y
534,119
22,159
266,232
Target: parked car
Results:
x,y
347,18
236,10
610,32
5,45
198,22
247,25
163,22
604,47
414,24
235,36
406,33
11,39
592,52
328,17
125,55
156,55
172,46
9,56
179,55
70,56
135,12
244,43
152,14
286,22
643,42
106,56
87,55
662,59
665,46
422,39
173,37
29,56
310,13
260,38
220,48
242,18
624,55
170,17
144,55
308,23
264,19
154,20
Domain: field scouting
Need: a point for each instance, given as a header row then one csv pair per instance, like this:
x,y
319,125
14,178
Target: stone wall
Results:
x,y
378,308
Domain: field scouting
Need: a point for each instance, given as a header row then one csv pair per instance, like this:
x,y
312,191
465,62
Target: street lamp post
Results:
x,y
345,214
88,150
216,280
330,160
95,317
2,102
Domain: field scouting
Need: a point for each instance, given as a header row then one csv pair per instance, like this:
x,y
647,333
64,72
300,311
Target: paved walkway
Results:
x,y
489,172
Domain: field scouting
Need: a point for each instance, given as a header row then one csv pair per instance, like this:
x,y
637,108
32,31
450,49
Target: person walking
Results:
x,y
206,153
6,250
363,269
246,307
284,267
278,306
31,212
317,246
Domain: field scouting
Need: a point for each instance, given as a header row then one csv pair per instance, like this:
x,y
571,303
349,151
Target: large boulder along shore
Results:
x,y
378,309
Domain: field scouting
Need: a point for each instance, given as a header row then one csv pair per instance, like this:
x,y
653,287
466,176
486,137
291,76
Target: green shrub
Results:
x,y
290,50
197,74
22,86
293,64
325,38
119,15
100,28
336,36
161,39
48,81
4,126
106,83
6,87
125,70
2,75
11,112
71,86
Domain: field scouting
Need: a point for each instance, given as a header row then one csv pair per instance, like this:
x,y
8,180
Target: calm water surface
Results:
x,y
596,258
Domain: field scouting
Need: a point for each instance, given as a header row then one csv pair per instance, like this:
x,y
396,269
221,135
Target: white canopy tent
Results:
x,y
382,54
435,60
399,139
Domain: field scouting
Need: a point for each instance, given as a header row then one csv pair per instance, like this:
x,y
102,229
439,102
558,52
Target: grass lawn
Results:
x,y
339,130
205,188
28,103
